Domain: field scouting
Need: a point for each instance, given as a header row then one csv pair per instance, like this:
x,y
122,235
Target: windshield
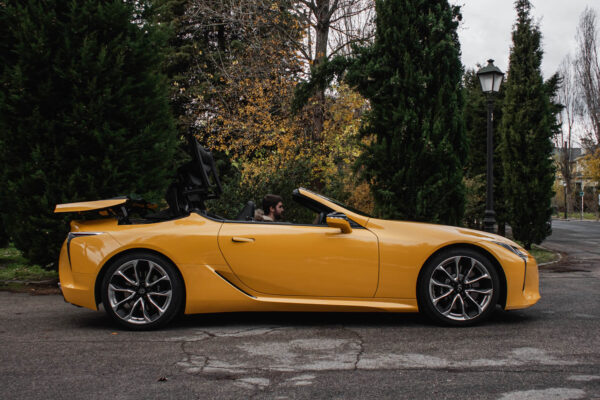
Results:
x,y
347,207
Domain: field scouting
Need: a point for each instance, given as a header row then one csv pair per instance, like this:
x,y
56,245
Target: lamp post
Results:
x,y
582,194
490,78
565,187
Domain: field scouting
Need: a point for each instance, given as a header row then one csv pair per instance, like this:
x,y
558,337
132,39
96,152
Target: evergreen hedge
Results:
x,y
84,113
411,76
527,126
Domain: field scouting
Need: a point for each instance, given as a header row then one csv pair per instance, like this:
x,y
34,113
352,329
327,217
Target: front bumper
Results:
x,y
522,278
529,291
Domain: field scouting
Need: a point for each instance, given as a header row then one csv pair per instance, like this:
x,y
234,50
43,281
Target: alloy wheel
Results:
x,y
139,291
461,288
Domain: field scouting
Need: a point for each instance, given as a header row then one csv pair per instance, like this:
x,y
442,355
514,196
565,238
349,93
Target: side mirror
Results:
x,y
338,221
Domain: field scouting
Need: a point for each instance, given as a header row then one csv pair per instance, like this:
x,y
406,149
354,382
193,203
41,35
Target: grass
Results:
x,y
543,255
540,254
14,267
577,215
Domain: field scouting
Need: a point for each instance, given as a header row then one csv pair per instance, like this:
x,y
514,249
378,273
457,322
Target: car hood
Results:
x,y
444,233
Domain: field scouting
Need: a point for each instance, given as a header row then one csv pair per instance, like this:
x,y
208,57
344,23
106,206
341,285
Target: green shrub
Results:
x,y
84,113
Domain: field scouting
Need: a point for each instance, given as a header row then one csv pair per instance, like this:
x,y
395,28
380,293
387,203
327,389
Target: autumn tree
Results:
x,y
209,45
271,148
528,123
568,96
83,113
237,81
331,28
411,76
323,28
248,69
588,71
218,50
592,167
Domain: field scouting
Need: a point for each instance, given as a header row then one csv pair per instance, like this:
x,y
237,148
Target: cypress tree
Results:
x,y
526,129
186,56
84,113
411,76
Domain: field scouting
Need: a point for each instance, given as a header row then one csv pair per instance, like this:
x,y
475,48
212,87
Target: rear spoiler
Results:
x,y
120,207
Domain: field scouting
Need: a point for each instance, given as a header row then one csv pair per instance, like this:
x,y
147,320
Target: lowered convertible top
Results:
x,y
90,205
120,207
196,182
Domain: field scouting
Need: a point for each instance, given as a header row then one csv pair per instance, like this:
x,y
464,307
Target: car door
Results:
x,y
301,260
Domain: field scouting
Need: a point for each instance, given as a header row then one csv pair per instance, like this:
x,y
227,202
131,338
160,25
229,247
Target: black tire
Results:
x,y
142,291
458,287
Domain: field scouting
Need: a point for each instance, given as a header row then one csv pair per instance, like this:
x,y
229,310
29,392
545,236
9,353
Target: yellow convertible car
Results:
x,y
146,270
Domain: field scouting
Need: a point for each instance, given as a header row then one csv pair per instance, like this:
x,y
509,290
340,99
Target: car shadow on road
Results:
x,y
502,317
298,319
324,319
243,320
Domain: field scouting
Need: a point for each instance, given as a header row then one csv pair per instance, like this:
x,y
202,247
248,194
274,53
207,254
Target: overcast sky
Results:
x,y
487,25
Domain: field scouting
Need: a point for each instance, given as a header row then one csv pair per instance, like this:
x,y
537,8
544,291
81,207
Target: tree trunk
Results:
x,y
569,204
589,71
596,201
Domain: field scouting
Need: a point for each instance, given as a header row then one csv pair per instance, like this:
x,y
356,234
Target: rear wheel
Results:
x,y
142,291
458,287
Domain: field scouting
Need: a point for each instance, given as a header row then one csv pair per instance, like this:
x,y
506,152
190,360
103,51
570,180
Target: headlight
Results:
x,y
514,249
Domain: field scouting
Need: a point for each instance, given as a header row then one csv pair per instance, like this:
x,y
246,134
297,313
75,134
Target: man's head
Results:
x,y
273,206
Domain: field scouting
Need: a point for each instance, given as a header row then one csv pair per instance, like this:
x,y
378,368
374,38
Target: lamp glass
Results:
x,y
498,78
487,82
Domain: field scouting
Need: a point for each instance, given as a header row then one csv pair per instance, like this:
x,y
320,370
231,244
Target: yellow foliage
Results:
x,y
287,142
361,197
591,166
252,122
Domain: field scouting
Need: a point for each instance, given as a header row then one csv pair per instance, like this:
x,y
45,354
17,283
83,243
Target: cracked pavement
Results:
x,y
50,349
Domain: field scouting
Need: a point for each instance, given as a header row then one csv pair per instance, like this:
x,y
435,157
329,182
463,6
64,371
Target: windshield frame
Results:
x,y
340,204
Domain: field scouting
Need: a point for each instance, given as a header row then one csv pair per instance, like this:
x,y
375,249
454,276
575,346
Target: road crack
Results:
x,y
361,346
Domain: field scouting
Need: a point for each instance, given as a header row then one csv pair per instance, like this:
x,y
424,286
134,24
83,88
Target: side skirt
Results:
x,y
327,304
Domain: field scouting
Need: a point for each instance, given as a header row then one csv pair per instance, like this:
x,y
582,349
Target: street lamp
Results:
x,y
565,187
490,78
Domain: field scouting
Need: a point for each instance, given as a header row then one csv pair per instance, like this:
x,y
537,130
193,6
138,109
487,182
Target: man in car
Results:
x,y
272,209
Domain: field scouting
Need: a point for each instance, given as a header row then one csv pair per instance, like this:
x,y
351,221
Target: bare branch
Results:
x,y
588,69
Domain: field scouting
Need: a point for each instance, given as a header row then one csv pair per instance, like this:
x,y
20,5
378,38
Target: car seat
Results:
x,y
246,213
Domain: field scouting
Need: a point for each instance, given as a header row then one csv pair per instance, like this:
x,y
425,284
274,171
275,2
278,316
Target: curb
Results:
x,y
550,262
45,282
574,220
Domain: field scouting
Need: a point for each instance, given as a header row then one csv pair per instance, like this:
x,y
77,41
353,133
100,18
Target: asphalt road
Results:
x,y
50,349
580,239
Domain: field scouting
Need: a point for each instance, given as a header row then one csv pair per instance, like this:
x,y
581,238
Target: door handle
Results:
x,y
241,239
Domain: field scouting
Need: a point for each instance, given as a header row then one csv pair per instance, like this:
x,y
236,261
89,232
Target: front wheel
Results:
x,y
142,291
458,287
